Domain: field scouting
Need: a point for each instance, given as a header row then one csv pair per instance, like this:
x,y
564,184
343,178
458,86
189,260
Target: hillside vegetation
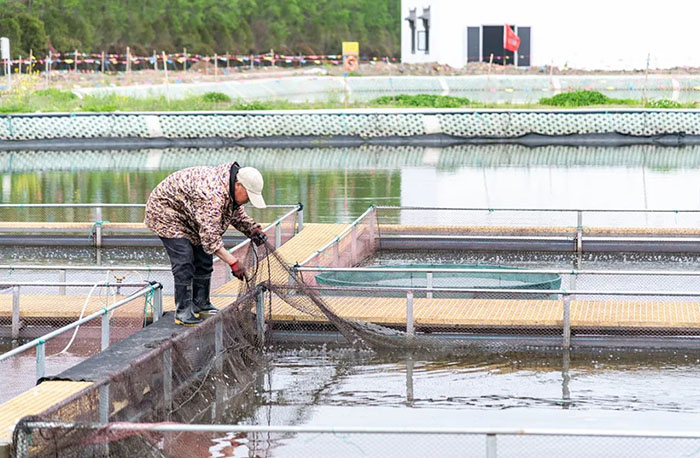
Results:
x,y
201,26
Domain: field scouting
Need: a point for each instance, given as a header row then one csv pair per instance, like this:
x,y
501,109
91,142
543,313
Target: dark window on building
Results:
x,y
473,45
524,49
425,18
493,44
411,18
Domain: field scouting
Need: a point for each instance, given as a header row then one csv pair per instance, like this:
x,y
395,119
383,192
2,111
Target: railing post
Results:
x,y
300,218
566,337
336,253
490,446
410,327
62,279
105,330
429,285
167,382
98,227
104,406
40,359
15,313
579,235
572,280
260,316
372,216
157,303
353,245
278,235
409,380
219,344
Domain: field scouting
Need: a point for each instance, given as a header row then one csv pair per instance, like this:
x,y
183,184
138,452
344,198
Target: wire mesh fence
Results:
x,y
82,332
104,213
455,221
59,439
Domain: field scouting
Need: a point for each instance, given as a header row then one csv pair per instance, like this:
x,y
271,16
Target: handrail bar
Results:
x,y
105,205
492,209
7,284
692,273
43,339
515,431
297,207
115,268
502,290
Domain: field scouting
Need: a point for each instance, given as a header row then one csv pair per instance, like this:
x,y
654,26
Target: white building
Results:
x,y
596,34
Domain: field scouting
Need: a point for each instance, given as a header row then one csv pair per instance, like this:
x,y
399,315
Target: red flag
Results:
x,y
512,40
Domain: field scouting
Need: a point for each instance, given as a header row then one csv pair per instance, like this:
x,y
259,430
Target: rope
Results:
x,y
95,225
148,303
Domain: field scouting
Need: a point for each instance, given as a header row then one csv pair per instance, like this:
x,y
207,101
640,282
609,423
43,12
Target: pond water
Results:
x,y
312,387
599,390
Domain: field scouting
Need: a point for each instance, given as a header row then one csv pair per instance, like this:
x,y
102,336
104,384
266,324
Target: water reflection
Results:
x,y
337,184
298,387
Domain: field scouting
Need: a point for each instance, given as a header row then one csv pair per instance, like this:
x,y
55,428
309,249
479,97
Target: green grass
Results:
x,y
55,100
422,101
663,103
584,99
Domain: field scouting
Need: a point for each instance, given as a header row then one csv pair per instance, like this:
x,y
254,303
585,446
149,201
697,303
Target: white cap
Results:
x,y
251,179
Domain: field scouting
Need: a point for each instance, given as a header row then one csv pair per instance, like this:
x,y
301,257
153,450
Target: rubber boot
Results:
x,y
183,306
200,296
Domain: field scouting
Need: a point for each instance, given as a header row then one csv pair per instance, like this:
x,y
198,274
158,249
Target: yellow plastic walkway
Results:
x,y
470,313
34,402
297,249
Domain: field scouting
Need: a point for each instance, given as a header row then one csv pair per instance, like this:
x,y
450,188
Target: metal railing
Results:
x,y
561,295
350,230
154,289
489,448
17,286
64,268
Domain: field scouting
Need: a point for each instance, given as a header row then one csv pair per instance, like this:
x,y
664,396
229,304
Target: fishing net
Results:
x,y
337,308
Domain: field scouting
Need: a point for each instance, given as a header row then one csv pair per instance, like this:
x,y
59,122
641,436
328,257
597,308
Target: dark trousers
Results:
x,y
188,262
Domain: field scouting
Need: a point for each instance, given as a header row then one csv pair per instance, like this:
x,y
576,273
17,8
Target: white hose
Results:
x,y
82,313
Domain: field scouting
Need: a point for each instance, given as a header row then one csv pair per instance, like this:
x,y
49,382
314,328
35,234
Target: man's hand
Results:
x,y
258,237
238,270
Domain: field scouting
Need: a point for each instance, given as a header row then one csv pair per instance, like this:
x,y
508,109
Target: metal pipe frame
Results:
x,y
553,210
8,284
163,427
65,267
518,292
342,234
270,227
45,338
108,205
502,271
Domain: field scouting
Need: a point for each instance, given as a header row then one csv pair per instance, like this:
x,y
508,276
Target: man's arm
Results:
x,y
225,256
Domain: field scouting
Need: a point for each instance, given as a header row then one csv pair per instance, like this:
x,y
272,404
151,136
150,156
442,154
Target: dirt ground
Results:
x,y
205,72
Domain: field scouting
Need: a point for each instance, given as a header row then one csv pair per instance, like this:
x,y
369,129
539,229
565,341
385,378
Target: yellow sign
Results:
x,y
351,52
351,48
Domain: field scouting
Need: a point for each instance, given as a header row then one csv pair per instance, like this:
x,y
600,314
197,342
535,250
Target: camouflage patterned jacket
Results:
x,y
194,203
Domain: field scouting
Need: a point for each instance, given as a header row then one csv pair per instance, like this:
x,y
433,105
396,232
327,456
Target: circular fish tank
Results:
x,y
517,280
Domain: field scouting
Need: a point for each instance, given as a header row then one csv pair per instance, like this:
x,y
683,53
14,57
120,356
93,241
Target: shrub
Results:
x,y
56,95
252,106
422,100
578,99
216,97
663,103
